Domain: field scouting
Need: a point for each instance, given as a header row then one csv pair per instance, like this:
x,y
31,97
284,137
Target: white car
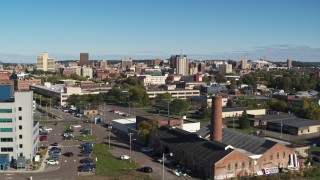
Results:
x,y
146,149
120,113
52,162
77,126
48,129
124,157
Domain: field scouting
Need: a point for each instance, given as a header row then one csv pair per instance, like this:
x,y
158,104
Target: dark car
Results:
x,y
86,160
85,154
54,144
88,165
84,169
315,159
146,169
68,154
86,150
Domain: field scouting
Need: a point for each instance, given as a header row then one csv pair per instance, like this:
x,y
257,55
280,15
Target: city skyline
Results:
x,y
142,29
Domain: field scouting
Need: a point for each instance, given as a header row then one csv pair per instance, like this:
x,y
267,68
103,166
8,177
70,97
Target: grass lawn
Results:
x,y
112,167
84,138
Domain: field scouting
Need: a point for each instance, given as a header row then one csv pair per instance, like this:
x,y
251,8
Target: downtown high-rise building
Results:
x,y
45,63
126,64
182,65
84,59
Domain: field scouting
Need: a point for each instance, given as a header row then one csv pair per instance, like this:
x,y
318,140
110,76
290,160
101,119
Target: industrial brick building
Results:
x,y
228,154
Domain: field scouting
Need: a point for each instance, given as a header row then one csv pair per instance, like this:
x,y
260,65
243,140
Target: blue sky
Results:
x,y
203,29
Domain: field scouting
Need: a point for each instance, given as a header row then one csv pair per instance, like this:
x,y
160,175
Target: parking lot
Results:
x,y
68,166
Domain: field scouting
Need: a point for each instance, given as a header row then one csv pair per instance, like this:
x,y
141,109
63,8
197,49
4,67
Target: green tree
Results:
x,y
244,122
163,97
206,113
145,128
220,78
179,106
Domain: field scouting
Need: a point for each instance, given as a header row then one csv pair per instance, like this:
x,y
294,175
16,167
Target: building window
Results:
x,y
271,156
250,164
6,149
6,130
20,127
236,165
278,155
20,136
229,166
5,110
20,146
20,108
264,159
6,139
284,154
243,165
21,154
20,117
5,120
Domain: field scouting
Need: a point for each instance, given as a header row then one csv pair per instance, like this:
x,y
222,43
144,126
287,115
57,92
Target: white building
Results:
x,y
19,133
60,91
86,72
45,63
149,80
176,94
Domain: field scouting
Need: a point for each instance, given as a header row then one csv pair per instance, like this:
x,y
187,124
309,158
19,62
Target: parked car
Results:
x,y
53,158
315,159
48,129
52,162
88,165
54,144
124,157
146,149
43,138
77,126
86,160
146,169
84,169
68,154
86,145
166,161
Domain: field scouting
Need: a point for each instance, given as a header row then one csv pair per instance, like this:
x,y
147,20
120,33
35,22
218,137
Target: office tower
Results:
x,y
45,63
225,68
201,67
126,64
18,131
173,61
84,59
182,65
289,63
103,65
244,64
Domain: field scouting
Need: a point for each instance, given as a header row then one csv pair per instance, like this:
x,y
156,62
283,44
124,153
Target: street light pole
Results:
x,y
130,134
162,166
109,127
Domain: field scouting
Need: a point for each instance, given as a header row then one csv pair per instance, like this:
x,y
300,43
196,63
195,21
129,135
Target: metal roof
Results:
x,y
297,122
190,143
251,144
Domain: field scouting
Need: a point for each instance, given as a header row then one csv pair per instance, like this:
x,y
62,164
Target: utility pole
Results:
x,y
130,134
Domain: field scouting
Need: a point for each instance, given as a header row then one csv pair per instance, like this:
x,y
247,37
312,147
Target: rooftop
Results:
x,y
242,142
191,143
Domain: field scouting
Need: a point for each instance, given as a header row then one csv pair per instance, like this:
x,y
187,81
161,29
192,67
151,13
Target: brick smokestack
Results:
x,y
216,119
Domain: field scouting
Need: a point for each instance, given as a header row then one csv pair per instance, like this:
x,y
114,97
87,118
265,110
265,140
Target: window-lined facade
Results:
x,y
5,110
6,139
6,129
7,149
5,120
